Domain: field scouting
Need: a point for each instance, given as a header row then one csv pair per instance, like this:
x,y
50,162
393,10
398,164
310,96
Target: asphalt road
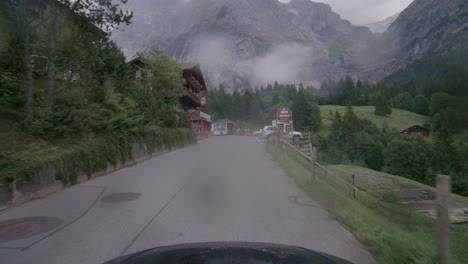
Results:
x,y
223,189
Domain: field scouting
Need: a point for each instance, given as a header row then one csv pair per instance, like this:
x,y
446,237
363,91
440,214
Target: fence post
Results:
x,y
284,148
354,186
313,155
311,158
443,220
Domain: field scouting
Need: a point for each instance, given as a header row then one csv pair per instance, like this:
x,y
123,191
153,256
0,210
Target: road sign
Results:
x,y
284,114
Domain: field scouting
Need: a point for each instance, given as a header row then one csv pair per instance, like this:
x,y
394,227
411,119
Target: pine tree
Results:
x,y
349,93
382,106
300,109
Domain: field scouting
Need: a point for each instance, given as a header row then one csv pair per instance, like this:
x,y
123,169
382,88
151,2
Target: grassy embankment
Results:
x,y
394,234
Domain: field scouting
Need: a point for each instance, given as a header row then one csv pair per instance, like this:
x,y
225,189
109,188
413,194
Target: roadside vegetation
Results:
x,y
348,125
66,95
394,234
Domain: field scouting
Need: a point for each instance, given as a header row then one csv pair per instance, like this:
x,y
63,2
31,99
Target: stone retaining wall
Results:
x,y
44,182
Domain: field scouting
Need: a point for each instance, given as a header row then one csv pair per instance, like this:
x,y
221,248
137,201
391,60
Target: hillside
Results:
x,y
424,28
397,119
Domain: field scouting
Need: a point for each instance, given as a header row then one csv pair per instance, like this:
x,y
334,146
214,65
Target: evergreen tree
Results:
x,y
444,158
403,101
315,119
382,107
349,94
421,105
301,112
306,114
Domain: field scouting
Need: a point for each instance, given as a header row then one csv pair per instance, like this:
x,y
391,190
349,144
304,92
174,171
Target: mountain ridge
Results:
x,y
248,34
381,26
245,43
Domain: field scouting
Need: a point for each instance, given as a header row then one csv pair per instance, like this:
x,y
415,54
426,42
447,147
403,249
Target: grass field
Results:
x,y
397,119
340,170
394,234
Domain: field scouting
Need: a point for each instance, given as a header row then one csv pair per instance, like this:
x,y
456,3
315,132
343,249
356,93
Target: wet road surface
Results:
x,y
222,189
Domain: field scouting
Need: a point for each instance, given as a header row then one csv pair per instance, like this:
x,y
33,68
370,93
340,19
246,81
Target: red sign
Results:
x,y
284,114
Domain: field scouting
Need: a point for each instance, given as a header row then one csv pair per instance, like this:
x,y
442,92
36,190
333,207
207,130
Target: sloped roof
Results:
x,y
405,127
195,68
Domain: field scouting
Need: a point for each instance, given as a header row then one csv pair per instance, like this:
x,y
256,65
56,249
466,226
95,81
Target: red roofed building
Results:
x,y
414,130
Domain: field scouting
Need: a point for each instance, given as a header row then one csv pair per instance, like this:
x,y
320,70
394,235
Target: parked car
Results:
x,y
296,135
267,130
257,133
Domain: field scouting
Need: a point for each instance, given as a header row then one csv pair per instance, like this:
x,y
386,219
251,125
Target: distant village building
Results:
x,y
414,130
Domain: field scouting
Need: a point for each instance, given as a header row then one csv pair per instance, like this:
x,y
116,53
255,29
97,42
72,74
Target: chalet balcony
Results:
x,y
192,82
193,97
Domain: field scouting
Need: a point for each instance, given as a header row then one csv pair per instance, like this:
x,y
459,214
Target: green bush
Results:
x,y
90,154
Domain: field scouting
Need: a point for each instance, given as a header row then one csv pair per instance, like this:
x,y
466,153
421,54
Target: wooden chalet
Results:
x,y
191,100
194,83
414,130
138,68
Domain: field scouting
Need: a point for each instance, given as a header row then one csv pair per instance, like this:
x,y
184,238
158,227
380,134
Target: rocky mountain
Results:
x,y
424,28
243,43
248,41
380,27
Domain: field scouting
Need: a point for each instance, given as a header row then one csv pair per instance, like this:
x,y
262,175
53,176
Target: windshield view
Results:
x,y
233,131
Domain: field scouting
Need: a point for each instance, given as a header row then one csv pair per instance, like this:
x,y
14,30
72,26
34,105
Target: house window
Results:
x,y
138,74
150,73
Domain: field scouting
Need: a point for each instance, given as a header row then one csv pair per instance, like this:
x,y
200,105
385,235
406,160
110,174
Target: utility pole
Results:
x,y
443,220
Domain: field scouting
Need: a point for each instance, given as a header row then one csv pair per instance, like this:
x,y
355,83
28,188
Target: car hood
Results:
x,y
228,252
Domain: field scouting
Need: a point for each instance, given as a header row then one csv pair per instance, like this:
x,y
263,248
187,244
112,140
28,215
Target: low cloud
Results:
x,y
283,63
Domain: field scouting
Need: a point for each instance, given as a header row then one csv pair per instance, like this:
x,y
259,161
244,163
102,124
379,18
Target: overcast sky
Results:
x,y
365,11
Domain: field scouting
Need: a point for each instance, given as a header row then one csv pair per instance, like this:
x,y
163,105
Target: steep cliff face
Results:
x,y
381,26
257,41
425,28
